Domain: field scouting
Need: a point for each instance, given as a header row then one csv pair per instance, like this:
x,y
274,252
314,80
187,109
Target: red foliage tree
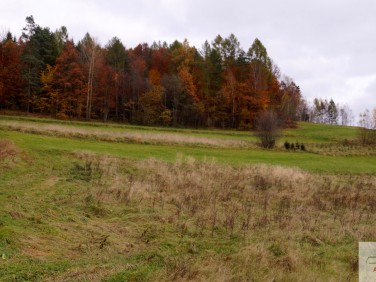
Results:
x,y
70,84
11,82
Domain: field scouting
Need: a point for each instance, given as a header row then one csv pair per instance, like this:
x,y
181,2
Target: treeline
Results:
x,y
324,111
220,85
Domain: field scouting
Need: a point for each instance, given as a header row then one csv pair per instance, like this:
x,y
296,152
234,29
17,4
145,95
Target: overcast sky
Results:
x,y
327,46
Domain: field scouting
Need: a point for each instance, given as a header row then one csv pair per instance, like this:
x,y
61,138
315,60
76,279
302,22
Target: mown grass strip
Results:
x,y
306,161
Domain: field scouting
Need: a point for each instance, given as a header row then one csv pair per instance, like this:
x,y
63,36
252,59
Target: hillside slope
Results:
x,y
93,202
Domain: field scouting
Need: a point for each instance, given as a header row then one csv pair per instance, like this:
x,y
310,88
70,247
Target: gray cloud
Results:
x,y
327,47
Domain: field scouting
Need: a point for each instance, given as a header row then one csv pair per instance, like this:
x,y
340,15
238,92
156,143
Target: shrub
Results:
x,y
166,117
287,145
292,146
267,129
367,136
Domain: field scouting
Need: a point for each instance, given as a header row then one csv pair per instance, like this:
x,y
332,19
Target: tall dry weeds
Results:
x,y
281,214
7,150
9,154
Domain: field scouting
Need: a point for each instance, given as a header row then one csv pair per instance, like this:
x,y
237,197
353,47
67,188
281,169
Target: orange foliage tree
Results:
x,y
70,84
220,85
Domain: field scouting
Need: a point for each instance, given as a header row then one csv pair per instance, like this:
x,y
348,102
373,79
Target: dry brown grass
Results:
x,y
7,150
341,149
93,273
131,137
281,219
80,216
9,154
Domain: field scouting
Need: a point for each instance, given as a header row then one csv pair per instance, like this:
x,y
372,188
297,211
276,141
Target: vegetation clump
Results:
x,y
294,146
267,129
7,149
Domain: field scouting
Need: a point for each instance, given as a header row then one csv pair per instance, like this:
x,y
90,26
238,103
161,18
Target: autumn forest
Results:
x,y
218,85
173,162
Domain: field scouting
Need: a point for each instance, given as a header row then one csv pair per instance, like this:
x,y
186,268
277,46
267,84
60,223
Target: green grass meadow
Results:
x,y
80,206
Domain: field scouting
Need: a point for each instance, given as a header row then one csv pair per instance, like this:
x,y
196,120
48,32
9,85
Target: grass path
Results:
x,y
307,161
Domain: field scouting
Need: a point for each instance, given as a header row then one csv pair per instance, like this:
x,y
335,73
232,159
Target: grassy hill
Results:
x,y
111,202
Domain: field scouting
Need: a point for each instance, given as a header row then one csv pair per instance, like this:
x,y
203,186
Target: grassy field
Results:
x,y
111,202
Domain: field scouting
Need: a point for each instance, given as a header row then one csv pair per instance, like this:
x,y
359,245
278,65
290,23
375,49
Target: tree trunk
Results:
x,y
90,86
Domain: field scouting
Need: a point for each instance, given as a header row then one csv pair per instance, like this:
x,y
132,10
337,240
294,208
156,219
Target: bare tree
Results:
x,y
346,116
367,130
89,50
267,129
291,101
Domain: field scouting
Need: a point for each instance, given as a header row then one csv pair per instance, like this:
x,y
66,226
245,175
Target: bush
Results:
x,y
367,136
297,146
294,146
287,145
166,117
267,129
367,129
